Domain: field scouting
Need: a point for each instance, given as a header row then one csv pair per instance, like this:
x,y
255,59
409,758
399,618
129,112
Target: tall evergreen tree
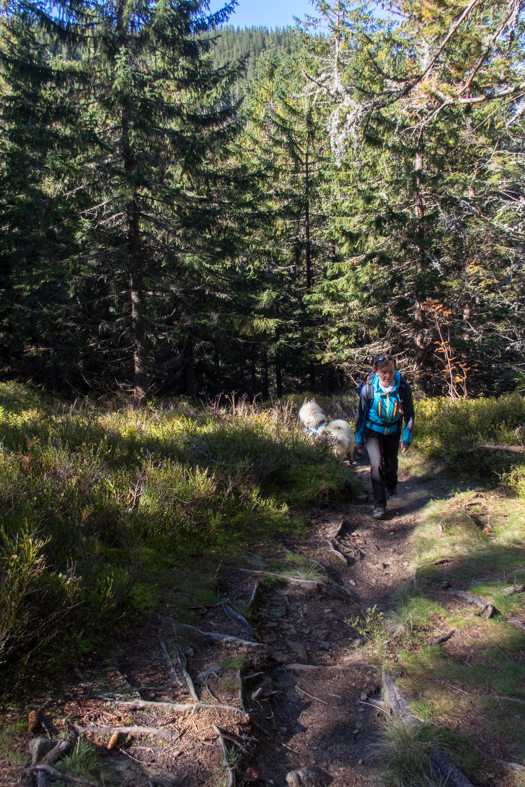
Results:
x,y
136,192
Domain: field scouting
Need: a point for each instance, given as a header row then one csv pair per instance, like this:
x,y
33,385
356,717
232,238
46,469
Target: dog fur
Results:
x,y
312,416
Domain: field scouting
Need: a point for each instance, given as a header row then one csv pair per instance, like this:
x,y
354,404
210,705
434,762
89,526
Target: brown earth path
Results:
x,y
298,699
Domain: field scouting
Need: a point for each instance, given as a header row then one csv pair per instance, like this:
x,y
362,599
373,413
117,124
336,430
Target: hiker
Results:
x,y
384,403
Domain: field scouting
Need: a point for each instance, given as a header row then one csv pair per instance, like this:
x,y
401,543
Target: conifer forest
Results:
x,y
188,208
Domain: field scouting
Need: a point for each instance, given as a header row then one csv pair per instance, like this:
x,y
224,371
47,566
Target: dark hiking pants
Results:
x,y
382,450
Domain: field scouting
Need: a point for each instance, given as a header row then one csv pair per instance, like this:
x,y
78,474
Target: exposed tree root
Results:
x,y
399,706
328,667
225,757
214,636
433,563
233,615
309,584
57,775
174,706
337,552
171,665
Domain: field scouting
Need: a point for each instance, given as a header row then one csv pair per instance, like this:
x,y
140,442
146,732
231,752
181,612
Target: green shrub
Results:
x,y
447,429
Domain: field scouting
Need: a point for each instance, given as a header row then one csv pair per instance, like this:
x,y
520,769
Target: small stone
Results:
x,y
364,696
360,762
189,652
352,582
311,776
324,635
271,624
298,648
445,585
271,639
39,747
324,645
326,610
359,725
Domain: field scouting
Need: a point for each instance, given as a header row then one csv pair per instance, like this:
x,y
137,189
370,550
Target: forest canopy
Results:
x,y
188,208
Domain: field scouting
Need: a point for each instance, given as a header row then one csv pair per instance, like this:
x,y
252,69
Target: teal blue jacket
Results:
x,y
384,412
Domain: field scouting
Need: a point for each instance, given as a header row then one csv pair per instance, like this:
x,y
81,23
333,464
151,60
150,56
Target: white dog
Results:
x,y
313,420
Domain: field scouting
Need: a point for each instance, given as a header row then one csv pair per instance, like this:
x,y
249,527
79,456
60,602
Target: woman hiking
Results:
x,y
385,401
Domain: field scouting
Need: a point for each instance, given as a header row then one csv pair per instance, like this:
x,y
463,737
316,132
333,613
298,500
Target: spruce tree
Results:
x,y
137,190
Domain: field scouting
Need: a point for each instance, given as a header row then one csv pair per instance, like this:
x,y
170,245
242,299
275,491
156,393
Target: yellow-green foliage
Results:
x,y
447,429
102,499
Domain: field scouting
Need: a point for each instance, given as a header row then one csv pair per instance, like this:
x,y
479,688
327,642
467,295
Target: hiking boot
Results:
x,y
379,512
391,492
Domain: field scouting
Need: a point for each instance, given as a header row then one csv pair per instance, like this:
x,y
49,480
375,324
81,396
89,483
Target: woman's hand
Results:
x,y
404,447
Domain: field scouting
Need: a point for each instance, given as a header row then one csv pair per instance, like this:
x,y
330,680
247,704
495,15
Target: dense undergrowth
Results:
x,y
98,503
446,430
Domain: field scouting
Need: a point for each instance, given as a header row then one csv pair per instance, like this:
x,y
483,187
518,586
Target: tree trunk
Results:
x,y
136,280
307,222
191,387
278,378
253,373
265,393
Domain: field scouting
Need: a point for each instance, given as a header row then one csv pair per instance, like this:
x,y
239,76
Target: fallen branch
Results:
x,y
337,552
339,528
233,615
514,449
312,696
516,589
399,706
174,706
253,596
241,690
44,777
394,699
210,692
159,732
182,662
171,665
470,598
309,584
335,667
510,699
214,636
59,750
445,637
225,757
56,774
517,622
189,684
433,563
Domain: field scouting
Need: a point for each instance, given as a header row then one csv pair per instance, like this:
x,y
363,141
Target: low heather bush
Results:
x,y
95,502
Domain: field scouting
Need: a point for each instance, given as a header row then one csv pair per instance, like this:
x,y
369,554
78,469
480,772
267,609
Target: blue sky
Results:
x,y
266,13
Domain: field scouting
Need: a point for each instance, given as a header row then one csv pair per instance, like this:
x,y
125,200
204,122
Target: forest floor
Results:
x,y
297,692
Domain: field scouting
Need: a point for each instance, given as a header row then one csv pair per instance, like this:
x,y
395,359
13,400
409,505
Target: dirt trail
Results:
x,y
299,698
